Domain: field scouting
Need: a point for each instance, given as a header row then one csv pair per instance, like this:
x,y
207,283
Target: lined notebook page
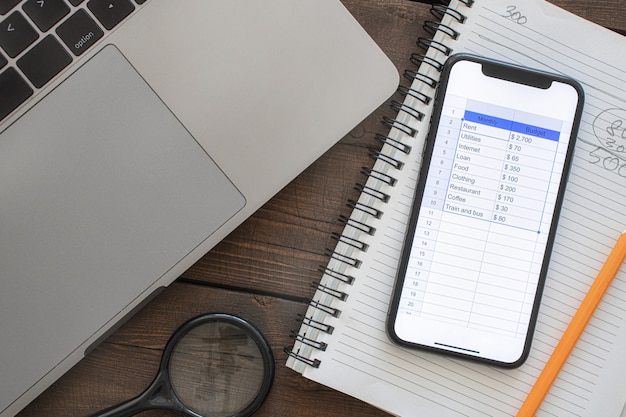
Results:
x,y
361,361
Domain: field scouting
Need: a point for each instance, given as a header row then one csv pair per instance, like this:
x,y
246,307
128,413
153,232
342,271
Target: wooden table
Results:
x,y
264,270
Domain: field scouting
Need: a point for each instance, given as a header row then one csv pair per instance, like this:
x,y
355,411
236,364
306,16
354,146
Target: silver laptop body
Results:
x,y
154,141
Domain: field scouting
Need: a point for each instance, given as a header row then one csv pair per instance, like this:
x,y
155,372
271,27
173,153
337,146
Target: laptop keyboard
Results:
x,y
39,38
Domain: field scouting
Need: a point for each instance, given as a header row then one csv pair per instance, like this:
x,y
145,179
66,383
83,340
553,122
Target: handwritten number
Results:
x,y
610,162
614,131
595,155
513,14
609,128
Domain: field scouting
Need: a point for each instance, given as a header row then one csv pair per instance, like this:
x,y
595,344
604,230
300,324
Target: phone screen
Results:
x,y
485,211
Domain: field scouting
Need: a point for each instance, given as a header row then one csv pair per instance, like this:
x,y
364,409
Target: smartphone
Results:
x,y
485,211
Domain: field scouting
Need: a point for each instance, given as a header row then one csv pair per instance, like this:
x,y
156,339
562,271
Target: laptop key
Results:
x,y
3,61
44,60
6,5
45,13
110,12
14,90
79,32
16,34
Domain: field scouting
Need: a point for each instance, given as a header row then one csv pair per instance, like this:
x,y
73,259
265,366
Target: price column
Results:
x,y
526,177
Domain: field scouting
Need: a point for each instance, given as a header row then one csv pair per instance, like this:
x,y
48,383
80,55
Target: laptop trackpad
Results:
x,y
103,190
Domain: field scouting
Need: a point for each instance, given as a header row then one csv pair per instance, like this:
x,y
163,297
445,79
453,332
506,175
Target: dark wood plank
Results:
x,y
610,13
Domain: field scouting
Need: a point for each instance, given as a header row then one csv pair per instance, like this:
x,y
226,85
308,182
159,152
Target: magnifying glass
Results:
x,y
215,365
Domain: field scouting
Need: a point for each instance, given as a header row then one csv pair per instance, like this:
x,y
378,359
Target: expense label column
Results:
x,y
477,166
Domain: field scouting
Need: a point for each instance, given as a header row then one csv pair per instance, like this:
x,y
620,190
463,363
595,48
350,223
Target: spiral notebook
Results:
x,y
342,343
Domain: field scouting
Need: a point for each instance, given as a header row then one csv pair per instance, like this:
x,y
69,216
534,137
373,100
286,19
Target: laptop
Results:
x,y
135,135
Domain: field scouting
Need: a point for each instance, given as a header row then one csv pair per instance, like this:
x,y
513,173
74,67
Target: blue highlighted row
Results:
x,y
511,125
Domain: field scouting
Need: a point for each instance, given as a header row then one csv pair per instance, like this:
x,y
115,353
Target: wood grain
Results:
x,y
263,270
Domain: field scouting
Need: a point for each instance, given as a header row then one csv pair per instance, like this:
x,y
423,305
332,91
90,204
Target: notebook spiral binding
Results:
x,y
390,155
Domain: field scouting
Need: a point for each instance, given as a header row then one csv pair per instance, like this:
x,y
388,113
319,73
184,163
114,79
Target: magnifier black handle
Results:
x,y
125,409
158,395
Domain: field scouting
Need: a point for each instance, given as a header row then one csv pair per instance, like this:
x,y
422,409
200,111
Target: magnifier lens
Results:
x,y
217,369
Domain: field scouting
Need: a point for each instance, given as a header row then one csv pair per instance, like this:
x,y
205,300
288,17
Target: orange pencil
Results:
x,y
574,329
